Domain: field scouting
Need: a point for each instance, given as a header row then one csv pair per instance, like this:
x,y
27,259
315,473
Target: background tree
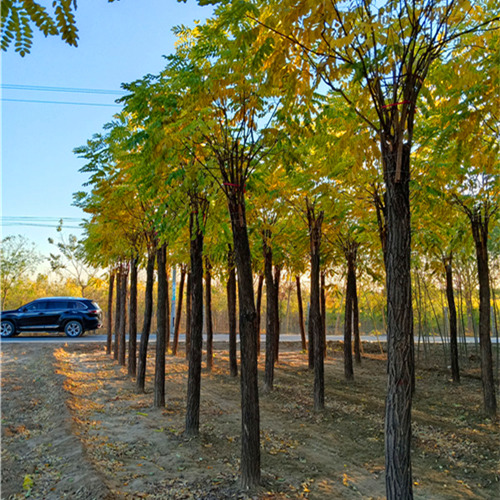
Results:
x,y
73,260
18,258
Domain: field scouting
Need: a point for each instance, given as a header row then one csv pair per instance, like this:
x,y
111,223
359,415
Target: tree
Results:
x,y
162,325
146,325
18,257
227,140
199,207
480,215
316,344
461,132
301,314
72,259
271,319
121,224
377,58
350,247
231,311
112,276
208,314
132,344
178,313
19,16
122,311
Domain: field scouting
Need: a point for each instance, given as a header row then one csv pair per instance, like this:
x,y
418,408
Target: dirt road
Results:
x,y
73,427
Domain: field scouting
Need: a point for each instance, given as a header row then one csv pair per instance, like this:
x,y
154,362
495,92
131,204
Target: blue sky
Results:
x,y
119,42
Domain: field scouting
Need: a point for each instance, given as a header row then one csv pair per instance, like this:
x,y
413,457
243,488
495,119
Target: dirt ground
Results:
x,y
73,427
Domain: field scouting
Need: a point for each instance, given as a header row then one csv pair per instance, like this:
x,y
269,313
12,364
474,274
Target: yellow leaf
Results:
x,y
28,482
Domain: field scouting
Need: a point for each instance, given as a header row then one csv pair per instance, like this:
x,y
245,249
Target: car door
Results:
x,y
33,315
55,308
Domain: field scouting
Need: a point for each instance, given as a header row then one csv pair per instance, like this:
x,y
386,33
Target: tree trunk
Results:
x,y
277,327
348,367
110,313
179,311
270,312
480,234
231,312
167,308
452,311
132,342
259,304
195,281
122,347
162,326
188,314
117,311
146,325
399,484
208,315
250,417
355,320
301,314
323,310
315,330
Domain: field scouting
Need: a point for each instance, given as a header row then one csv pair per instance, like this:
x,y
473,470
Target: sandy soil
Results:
x,y
73,427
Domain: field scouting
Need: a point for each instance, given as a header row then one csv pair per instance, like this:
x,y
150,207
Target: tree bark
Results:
x,y
162,326
277,327
208,315
270,312
348,366
452,312
315,330
323,310
355,320
167,307
250,417
132,343
301,314
231,311
146,325
479,223
399,484
117,311
179,311
109,338
188,314
122,347
195,281
259,308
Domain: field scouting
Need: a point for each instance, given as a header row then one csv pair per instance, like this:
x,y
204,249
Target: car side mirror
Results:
x,y
22,309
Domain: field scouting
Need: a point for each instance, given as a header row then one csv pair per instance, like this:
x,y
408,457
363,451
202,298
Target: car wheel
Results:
x,y
73,329
8,329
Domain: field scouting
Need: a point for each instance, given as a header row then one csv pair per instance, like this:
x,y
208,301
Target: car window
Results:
x,y
36,306
80,305
57,304
71,305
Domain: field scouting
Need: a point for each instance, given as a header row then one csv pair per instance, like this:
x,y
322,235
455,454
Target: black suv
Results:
x,y
53,314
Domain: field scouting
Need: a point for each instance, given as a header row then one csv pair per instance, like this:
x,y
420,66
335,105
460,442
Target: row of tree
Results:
x,y
291,134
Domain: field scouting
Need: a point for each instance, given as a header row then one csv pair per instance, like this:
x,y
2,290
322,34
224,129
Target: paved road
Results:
x,y
218,337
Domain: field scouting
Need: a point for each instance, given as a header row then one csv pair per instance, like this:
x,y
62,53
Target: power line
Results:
x,y
35,221
34,224
36,217
40,88
51,220
62,102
